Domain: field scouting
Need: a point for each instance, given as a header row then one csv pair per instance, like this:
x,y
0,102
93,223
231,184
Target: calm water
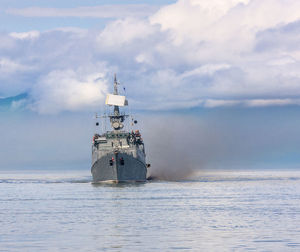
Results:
x,y
220,211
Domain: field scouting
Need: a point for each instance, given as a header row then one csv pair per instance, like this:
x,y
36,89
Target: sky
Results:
x,y
225,60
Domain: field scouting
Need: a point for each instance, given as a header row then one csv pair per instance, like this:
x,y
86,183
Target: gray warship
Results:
x,y
118,155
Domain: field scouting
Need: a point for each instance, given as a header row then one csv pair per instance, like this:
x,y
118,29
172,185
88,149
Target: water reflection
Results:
x,y
119,184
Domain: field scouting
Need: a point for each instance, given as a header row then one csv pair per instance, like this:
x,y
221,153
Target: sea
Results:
x,y
213,211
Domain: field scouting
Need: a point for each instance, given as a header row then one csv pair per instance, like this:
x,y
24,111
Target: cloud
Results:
x,y
8,66
212,103
69,90
103,11
6,42
272,102
208,69
12,72
188,54
229,21
25,35
124,31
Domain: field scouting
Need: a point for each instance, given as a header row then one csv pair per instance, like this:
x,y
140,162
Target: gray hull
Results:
x,y
132,169
118,155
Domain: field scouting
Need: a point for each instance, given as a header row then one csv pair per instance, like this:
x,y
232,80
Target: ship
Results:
x,y
118,155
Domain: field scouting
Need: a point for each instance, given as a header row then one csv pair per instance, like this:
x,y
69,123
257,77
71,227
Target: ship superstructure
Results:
x,y
118,155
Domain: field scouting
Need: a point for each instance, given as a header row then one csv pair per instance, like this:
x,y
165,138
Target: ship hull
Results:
x,y
131,169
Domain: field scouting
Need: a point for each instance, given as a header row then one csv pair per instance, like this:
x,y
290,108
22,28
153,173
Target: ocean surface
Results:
x,y
216,211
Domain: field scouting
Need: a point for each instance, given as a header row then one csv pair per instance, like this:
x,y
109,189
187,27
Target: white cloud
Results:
x,y
272,102
25,35
210,103
103,11
124,31
226,30
9,67
12,76
281,61
69,90
195,21
208,69
188,54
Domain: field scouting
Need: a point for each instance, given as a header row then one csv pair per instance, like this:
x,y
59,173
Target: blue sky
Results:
x,y
176,57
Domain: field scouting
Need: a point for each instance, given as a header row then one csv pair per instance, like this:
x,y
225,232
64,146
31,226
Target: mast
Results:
x,y
116,108
116,119
115,85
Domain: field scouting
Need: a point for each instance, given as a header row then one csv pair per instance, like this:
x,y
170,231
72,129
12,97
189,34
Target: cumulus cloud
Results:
x,y
124,31
188,54
234,22
69,90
